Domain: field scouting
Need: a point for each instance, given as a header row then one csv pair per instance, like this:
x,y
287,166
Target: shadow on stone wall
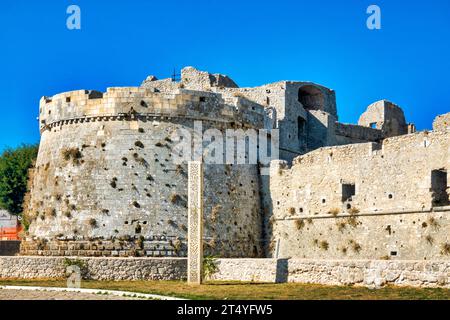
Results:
x,y
9,247
282,271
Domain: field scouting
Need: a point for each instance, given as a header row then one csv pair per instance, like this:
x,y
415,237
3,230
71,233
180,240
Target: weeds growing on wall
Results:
x,y
299,224
209,266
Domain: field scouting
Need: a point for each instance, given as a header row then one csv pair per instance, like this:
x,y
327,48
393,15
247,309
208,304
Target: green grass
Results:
x,y
257,291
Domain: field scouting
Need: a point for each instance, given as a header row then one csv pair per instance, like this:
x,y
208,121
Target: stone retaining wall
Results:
x,y
94,268
372,273
337,272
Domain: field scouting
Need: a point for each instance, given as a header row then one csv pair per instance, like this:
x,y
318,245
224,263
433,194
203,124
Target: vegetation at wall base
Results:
x,y
230,290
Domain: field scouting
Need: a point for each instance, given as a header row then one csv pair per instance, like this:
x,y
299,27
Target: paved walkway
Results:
x,y
12,294
47,293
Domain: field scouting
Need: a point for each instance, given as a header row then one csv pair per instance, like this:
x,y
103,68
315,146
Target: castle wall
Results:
x,y
350,133
392,213
105,183
370,273
385,116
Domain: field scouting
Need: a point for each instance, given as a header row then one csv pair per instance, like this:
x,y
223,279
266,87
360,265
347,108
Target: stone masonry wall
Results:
x,y
105,183
113,269
391,213
372,273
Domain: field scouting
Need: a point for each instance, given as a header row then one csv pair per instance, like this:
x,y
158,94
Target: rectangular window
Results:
x,y
348,191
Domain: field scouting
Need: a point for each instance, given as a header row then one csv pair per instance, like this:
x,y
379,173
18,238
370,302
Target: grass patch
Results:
x,y
251,291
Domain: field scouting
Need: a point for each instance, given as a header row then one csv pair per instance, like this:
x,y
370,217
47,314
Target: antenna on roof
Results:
x,y
175,76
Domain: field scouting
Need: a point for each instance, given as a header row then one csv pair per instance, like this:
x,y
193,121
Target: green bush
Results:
x,y
209,266
14,165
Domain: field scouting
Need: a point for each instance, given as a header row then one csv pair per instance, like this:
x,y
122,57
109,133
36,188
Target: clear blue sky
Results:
x,y
255,42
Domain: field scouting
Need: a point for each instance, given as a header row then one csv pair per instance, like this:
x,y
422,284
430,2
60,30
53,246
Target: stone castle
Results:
x,y
104,183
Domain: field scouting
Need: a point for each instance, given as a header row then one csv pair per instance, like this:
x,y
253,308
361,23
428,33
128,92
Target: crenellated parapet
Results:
x,y
134,102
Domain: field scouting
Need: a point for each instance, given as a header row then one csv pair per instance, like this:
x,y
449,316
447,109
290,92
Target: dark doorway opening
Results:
x,y
439,187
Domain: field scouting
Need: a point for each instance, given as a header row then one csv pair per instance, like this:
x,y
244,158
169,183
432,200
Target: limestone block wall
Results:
x,y
105,183
371,273
106,269
385,116
77,106
421,235
363,201
350,133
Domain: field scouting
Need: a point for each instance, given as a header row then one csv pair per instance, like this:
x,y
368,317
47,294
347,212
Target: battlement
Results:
x,y
416,141
138,101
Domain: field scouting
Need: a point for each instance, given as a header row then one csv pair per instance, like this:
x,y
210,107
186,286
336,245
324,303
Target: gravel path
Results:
x,y
10,294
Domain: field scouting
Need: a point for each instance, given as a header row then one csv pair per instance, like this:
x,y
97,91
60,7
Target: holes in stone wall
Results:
x,y
138,229
389,229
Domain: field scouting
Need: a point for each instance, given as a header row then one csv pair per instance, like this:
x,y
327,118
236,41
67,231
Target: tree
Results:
x,y
14,166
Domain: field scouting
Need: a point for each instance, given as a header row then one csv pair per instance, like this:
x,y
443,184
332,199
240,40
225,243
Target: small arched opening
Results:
x,y
311,98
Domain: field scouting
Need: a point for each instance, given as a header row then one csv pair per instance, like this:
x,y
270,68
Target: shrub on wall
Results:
x,y
209,266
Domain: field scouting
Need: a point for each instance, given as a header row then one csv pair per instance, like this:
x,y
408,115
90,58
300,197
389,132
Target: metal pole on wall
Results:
x,y
195,222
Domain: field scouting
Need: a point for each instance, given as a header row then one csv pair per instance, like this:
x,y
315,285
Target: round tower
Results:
x,y
106,183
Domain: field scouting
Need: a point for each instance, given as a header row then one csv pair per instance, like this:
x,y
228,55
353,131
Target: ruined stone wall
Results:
x,y
105,183
385,116
393,213
350,133
442,123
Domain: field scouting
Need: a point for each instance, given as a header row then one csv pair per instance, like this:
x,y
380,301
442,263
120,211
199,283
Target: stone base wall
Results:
x,y
9,247
112,269
371,273
105,248
163,246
